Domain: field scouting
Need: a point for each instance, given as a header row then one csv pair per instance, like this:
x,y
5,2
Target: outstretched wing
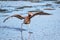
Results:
x,y
40,13
17,16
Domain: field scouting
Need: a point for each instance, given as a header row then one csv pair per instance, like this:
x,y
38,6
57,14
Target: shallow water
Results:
x,y
43,27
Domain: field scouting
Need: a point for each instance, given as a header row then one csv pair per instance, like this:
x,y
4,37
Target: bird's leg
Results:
x,y
29,29
29,35
21,32
29,32
21,26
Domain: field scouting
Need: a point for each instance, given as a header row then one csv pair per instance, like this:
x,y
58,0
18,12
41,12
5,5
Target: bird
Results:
x,y
27,19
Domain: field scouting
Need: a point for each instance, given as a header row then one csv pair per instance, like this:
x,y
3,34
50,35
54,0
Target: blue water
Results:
x,y
43,27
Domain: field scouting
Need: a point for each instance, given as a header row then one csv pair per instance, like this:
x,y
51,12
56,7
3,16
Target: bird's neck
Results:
x,y
29,15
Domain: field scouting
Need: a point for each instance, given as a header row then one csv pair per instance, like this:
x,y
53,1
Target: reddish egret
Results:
x,y
26,18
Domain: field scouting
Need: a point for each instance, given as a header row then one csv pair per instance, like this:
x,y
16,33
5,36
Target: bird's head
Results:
x,y
30,13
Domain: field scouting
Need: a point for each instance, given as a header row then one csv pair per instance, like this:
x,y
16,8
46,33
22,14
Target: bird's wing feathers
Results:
x,y
40,13
17,16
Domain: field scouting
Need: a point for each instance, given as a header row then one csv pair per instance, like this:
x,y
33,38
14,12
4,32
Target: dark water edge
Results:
x,y
17,29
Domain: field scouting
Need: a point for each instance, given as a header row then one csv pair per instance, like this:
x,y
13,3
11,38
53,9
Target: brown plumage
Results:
x,y
27,18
